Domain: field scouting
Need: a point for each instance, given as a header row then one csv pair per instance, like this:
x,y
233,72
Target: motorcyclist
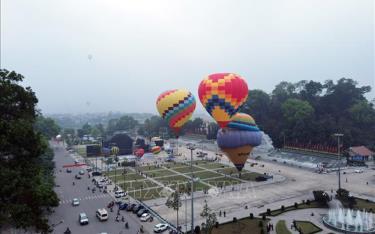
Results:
x,y
88,187
67,231
126,225
74,183
122,219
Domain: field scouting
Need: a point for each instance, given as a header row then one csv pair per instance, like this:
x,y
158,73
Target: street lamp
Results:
x,y
192,148
338,135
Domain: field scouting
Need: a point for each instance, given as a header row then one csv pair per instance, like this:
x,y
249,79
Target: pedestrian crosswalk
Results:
x,y
92,197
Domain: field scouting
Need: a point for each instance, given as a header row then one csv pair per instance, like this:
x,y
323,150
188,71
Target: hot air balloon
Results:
x,y
139,152
58,137
176,107
238,140
155,149
222,94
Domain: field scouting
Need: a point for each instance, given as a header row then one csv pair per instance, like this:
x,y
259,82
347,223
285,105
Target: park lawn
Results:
x,y
243,226
209,165
172,179
134,185
204,174
149,168
127,177
184,187
281,228
160,173
307,227
222,181
360,204
186,169
175,164
250,176
147,194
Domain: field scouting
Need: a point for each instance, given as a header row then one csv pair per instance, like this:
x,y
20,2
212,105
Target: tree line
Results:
x,y
310,112
26,166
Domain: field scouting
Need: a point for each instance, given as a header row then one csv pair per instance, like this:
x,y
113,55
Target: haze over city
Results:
x,y
101,56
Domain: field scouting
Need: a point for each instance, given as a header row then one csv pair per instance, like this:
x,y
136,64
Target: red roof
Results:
x,y
361,150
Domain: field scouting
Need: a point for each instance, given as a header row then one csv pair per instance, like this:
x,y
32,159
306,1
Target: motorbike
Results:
x,y
111,204
67,231
126,225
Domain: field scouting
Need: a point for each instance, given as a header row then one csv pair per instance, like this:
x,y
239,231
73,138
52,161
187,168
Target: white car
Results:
x,y
83,219
102,214
120,193
75,202
145,217
161,227
358,171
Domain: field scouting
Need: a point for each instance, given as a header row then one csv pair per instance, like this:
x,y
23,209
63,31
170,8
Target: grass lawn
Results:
x,y
186,186
360,204
307,227
173,165
249,176
281,228
160,173
210,165
205,174
186,169
147,194
172,179
128,177
223,181
149,168
128,186
243,226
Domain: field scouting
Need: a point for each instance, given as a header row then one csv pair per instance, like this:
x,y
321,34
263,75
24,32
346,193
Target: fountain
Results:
x,y
349,221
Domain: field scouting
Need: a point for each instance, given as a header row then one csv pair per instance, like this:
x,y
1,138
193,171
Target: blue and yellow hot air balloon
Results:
x,y
176,107
238,140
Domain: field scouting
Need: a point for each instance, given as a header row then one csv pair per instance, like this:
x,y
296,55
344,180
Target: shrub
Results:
x,y
282,208
264,217
308,202
296,205
234,220
261,231
251,216
260,224
217,224
268,211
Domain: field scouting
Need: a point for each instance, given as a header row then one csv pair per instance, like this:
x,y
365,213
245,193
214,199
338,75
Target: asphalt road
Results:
x,y
66,215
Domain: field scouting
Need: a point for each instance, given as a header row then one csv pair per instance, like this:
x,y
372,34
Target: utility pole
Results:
x,y
338,135
192,148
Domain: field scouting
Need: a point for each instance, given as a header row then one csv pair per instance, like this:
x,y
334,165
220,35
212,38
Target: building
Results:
x,y
359,154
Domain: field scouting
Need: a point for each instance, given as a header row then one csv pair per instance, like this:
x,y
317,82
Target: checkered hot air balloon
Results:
x,y
222,95
176,107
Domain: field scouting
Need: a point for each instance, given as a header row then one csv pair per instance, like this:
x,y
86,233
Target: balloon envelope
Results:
x,y
139,152
238,155
115,150
222,94
176,107
155,149
230,138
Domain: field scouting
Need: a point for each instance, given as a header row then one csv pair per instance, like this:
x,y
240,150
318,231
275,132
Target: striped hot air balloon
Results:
x,y
156,149
238,140
222,95
176,107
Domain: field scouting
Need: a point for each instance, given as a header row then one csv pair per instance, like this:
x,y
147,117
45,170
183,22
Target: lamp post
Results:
x,y
338,135
192,148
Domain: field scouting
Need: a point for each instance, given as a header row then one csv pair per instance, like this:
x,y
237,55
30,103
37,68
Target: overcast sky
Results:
x,y
119,55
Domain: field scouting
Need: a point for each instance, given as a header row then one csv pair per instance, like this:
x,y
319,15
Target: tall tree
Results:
x,y
174,202
26,192
210,218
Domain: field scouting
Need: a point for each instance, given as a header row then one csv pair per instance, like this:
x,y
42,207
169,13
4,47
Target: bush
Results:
x,y
260,224
264,217
282,208
308,202
268,212
251,216
217,224
296,205
197,230
234,220
321,197
261,231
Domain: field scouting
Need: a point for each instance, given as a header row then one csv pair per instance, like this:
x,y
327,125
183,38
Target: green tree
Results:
x,y
210,218
25,164
174,202
296,110
47,126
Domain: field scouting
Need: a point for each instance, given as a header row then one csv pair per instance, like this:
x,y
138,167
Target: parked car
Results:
x,y
75,202
141,212
120,193
78,177
96,173
102,214
130,207
137,208
82,218
145,217
81,172
68,170
89,169
161,227
123,206
358,171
